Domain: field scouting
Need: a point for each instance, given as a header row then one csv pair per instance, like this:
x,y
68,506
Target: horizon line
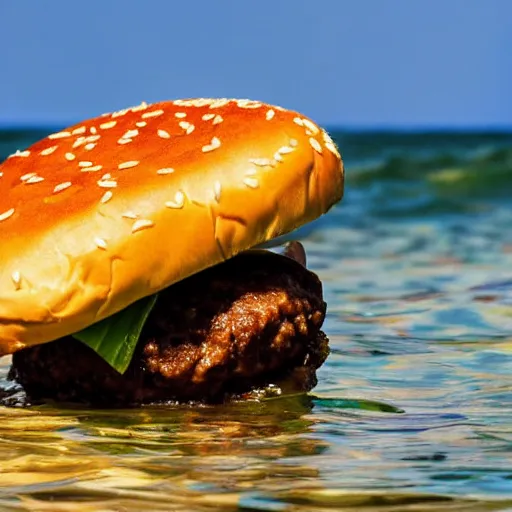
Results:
x,y
331,126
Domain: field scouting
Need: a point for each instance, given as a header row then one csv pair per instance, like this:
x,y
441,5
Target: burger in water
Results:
x,y
131,264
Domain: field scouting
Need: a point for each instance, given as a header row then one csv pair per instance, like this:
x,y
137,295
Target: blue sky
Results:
x,y
351,63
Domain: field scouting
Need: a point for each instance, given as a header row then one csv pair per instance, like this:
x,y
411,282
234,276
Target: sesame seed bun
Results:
x,y
121,206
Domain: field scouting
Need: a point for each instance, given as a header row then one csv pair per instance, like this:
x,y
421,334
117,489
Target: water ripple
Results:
x,y
413,407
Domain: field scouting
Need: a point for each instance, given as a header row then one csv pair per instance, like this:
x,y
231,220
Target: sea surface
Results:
x,y
413,408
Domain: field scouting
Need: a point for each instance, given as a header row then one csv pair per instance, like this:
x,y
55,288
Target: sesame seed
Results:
x,y
109,124
278,157
298,120
34,179
94,168
27,176
153,113
141,224
315,145
248,104
218,119
198,102
260,162
251,182
311,126
217,190
107,183
120,113
84,164
129,215
21,153
128,165
294,143
163,134
180,115
124,141
89,146
283,150
185,125
141,124
59,135
100,243
48,151
130,134
61,186
207,117
214,144
219,103
107,196
6,215
333,149
107,176
326,136
93,130
179,200
69,157
78,142
78,131
167,170
329,144
16,279
1,174
140,107
270,114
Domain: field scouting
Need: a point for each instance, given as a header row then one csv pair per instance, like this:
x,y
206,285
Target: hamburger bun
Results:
x,y
121,206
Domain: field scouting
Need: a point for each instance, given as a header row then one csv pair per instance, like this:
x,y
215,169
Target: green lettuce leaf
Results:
x,y
115,338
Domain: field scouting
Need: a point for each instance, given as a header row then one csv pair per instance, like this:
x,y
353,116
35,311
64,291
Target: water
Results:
x,y
413,407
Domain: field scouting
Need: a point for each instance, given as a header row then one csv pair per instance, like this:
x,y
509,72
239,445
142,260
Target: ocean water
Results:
x,y
413,408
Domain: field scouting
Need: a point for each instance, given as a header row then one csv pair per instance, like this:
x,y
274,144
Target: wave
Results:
x,y
397,173
417,174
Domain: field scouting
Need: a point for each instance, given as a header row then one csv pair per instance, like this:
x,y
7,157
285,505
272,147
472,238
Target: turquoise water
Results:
x,y
413,409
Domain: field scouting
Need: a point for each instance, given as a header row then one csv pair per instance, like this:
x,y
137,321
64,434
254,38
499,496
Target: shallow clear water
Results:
x,y
413,410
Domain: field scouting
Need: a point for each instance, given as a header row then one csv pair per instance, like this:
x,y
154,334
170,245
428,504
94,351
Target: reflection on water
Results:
x,y
413,407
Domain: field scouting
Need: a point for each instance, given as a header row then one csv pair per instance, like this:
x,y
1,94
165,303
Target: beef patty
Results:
x,y
249,322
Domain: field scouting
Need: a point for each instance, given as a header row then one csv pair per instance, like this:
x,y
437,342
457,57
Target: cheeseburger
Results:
x,y
132,270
